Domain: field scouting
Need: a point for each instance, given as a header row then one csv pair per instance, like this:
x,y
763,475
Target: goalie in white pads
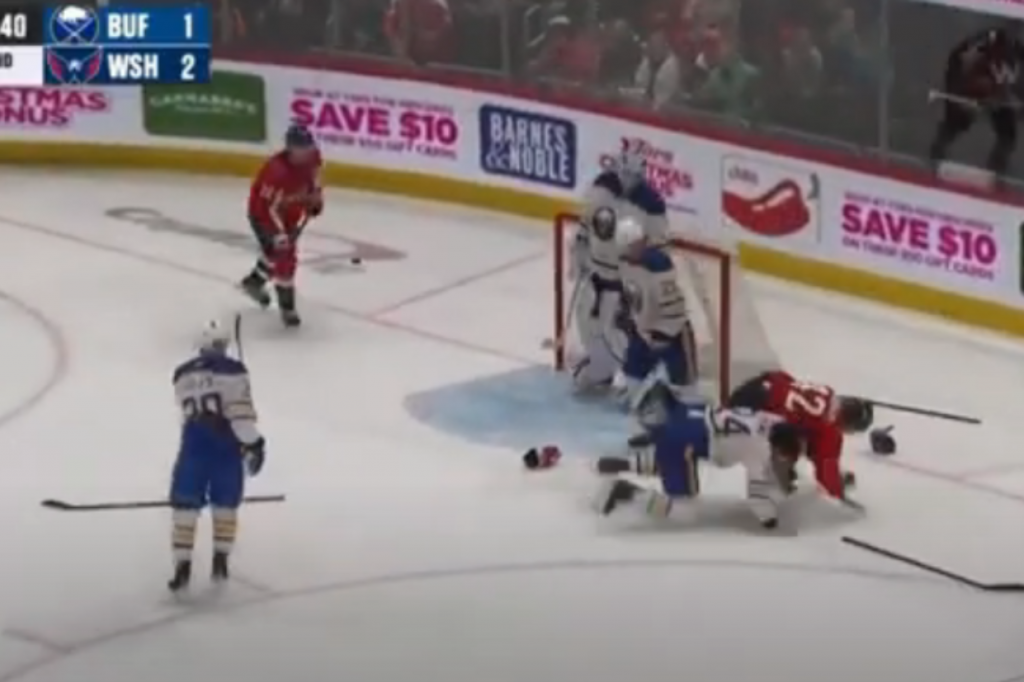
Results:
x,y
618,196
679,435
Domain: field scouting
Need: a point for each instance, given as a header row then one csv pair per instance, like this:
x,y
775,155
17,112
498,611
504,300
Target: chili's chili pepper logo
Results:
x,y
770,200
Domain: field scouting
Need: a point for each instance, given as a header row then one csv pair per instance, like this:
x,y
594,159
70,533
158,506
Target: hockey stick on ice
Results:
x,y
558,343
925,412
238,337
61,505
930,568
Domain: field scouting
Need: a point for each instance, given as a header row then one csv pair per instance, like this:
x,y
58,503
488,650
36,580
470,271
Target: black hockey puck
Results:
x,y
356,260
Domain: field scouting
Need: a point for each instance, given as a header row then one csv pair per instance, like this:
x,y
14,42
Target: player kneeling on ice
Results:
x,y
823,417
679,435
618,196
657,324
285,194
219,445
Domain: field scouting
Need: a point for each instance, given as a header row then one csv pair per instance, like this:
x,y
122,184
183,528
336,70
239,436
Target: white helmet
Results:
x,y
215,337
631,167
628,233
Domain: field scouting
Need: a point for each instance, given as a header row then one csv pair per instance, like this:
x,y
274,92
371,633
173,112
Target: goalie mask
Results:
x,y
603,222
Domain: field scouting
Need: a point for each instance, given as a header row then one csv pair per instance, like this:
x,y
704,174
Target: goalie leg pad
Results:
x,y
598,337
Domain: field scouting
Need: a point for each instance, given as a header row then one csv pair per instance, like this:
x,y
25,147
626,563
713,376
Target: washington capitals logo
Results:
x,y
74,67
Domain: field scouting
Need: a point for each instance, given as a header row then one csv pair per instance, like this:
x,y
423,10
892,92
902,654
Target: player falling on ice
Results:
x,y
619,192
219,445
680,435
284,196
823,417
653,313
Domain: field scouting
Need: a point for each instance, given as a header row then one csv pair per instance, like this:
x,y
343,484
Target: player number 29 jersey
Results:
x,y
215,399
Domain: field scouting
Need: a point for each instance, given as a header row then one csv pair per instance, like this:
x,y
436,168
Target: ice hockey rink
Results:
x,y
412,543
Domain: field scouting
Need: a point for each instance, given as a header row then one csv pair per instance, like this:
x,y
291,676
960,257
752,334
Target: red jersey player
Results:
x,y
285,194
822,416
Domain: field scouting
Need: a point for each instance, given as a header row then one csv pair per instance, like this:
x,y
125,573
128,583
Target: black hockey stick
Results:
x,y
925,412
61,505
238,337
930,568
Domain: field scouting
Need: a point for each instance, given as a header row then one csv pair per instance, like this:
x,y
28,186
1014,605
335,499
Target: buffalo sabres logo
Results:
x,y
73,25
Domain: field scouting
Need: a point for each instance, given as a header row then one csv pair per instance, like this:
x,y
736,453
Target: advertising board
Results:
x,y
825,213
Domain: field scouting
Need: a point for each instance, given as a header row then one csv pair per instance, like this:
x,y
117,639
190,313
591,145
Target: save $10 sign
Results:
x,y
376,123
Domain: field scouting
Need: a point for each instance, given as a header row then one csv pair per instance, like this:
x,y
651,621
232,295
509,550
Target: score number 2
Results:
x,y
188,67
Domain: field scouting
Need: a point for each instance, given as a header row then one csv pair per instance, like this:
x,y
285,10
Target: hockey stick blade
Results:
x,y
925,412
931,568
61,505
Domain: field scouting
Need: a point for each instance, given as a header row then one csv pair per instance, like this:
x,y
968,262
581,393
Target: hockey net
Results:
x,y
732,345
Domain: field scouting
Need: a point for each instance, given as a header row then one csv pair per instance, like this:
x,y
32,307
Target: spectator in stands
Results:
x,y
569,54
359,26
796,73
480,25
621,53
729,83
420,31
802,65
845,54
285,24
659,74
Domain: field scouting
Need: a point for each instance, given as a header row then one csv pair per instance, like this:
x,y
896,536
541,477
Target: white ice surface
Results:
x,y
412,545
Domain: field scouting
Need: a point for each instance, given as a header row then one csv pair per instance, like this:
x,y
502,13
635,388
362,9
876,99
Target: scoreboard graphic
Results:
x,y
78,45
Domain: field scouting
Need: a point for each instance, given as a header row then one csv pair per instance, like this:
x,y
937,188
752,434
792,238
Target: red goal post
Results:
x,y
732,343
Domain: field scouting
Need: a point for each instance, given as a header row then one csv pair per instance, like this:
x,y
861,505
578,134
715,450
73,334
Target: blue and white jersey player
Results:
x,y
618,194
679,435
656,320
220,444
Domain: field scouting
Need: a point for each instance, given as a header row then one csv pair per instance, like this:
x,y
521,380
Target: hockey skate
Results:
x,y
219,572
182,576
253,287
286,302
615,493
